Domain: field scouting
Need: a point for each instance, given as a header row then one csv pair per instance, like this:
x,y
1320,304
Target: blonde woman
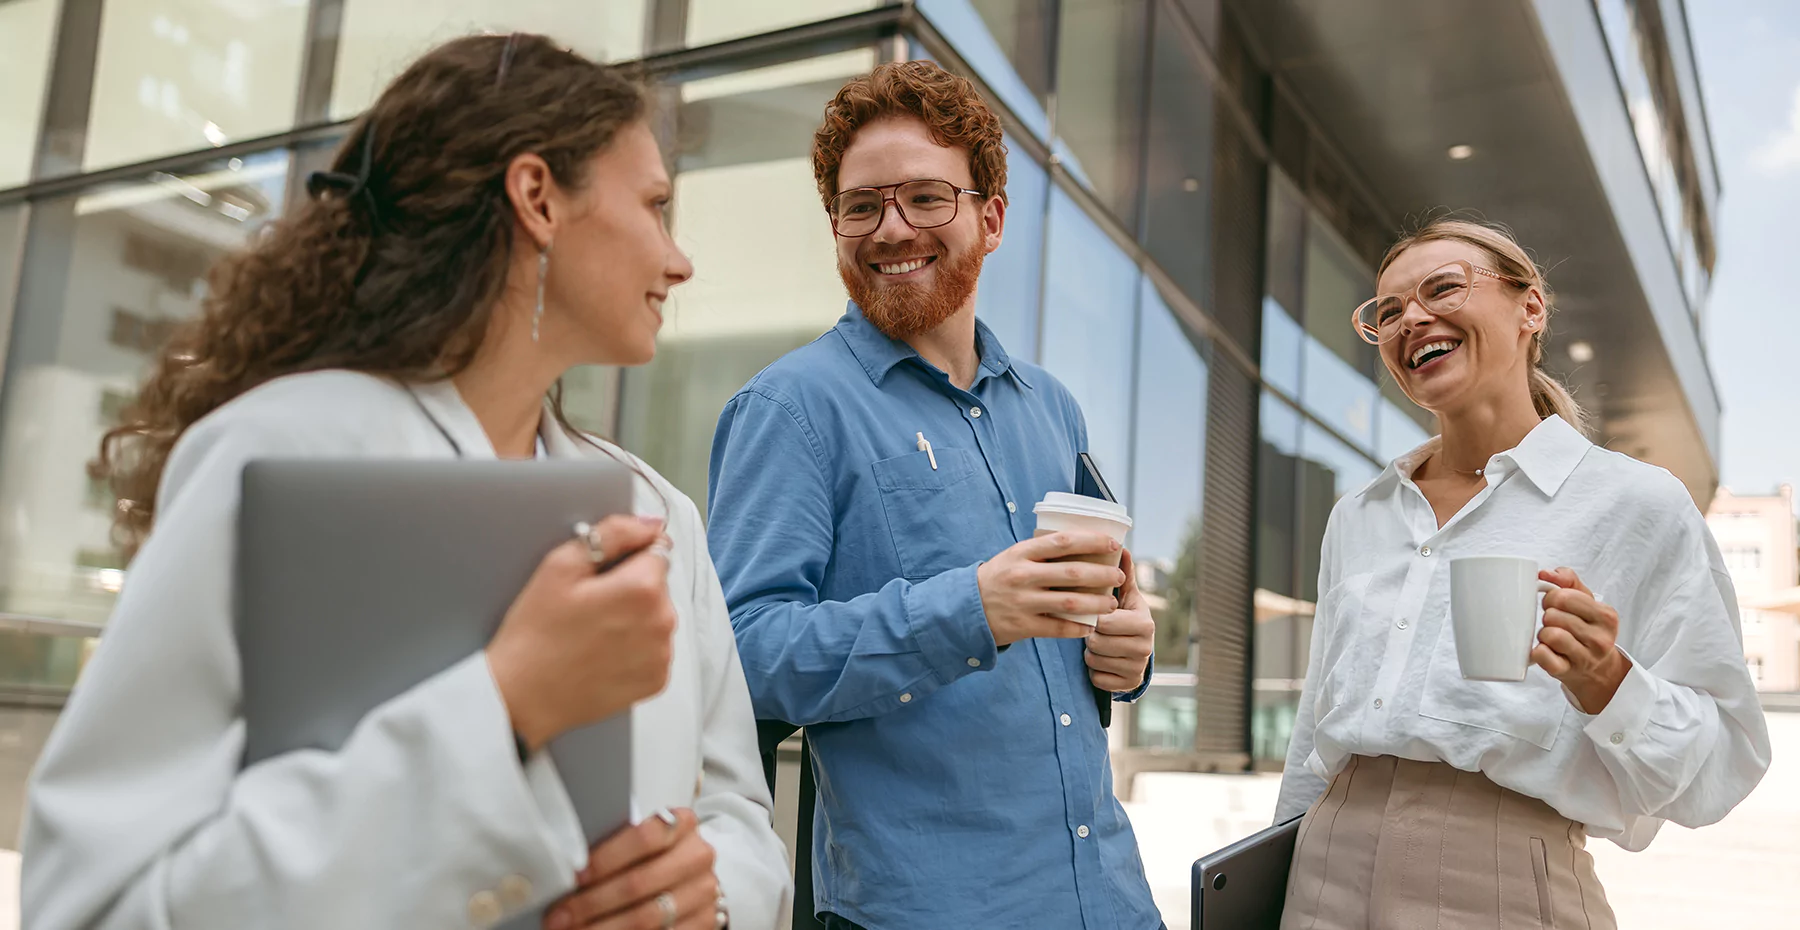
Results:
x,y
1433,801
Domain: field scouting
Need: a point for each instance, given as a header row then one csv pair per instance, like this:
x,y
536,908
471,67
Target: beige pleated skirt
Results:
x,y
1400,845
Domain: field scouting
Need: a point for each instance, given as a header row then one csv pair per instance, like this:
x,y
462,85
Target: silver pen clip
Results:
x,y
925,447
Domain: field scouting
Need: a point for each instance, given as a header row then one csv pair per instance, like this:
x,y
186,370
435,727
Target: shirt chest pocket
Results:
x,y
1530,710
935,514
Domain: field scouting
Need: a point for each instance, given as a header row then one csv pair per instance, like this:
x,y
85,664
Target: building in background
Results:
x,y
1758,538
1200,190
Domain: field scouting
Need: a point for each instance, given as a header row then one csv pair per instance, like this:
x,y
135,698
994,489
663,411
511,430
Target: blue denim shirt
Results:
x,y
959,785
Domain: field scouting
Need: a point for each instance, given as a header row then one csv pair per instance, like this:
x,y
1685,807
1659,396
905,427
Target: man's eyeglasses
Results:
x,y
1443,291
923,204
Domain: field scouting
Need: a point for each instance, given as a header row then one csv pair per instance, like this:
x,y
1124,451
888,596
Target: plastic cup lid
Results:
x,y
1083,506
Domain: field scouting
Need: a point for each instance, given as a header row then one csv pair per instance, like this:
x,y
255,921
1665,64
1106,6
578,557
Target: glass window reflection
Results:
x,y
1167,474
743,168
378,39
1276,610
1339,384
1178,172
1099,97
1329,469
179,75
1284,277
27,38
1401,426
710,21
107,274
1008,44
1090,303
1012,277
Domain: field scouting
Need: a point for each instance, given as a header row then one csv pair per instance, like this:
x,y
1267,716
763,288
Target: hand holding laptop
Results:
x,y
579,645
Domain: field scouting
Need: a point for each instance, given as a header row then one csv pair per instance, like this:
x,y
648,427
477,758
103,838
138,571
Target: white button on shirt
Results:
x,y
1683,739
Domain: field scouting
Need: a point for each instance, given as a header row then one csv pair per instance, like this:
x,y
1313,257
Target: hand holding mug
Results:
x,y
1118,651
1578,644
1029,582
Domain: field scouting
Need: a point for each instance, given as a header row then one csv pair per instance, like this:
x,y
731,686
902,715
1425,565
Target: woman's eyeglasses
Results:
x,y
923,204
1443,291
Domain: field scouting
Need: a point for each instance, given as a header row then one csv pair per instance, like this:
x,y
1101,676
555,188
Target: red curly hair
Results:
x,y
948,104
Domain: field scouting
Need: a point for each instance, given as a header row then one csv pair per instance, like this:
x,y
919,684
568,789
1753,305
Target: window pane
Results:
x,y
1326,469
379,38
743,168
108,273
710,21
1398,429
1012,277
177,75
1167,474
27,37
1179,169
1089,302
1340,367
1279,615
1284,278
1099,97
1008,43
1329,469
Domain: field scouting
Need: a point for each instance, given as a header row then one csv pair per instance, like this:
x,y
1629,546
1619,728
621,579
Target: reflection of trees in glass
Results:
x,y
1173,592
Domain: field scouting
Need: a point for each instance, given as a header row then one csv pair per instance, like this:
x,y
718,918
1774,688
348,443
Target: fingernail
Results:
x,y
649,520
559,920
585,876
1116,545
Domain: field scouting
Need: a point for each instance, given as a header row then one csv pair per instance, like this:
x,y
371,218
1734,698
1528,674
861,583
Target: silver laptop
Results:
x,y
358,579
1242,886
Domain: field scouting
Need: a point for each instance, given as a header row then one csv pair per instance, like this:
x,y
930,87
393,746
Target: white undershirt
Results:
x,y
1684,737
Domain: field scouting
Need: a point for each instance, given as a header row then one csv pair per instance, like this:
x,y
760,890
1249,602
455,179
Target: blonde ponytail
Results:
x,y
1548,395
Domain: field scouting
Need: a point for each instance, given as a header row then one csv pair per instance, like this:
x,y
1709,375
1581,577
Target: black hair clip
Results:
x,y
349,185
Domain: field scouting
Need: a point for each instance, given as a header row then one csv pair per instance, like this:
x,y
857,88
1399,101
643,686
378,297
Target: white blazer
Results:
x,y
138,816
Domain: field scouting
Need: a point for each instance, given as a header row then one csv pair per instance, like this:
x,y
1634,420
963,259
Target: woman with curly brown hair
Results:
x,y
494,220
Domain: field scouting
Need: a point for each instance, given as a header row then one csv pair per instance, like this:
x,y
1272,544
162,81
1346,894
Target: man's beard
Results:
x,y
908,309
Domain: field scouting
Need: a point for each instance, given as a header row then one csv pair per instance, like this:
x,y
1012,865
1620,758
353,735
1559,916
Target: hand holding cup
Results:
x,y
1578,644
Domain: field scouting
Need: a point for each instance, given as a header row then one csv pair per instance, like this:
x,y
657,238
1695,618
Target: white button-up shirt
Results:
x,y
1683,739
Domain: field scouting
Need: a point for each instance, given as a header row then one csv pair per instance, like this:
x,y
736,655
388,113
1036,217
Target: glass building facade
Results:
x,y
1174,214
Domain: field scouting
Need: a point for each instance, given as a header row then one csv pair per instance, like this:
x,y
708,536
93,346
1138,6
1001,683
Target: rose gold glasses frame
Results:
x,y
889,194
1469,268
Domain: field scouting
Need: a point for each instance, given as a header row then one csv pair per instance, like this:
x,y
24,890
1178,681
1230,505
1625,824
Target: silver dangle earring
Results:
x,y
537,315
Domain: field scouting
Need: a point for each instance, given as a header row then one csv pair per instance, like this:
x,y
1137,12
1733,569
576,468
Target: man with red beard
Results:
x,y
871,517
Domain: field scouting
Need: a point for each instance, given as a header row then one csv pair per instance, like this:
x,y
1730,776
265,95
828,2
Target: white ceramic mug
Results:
x,y
1495,614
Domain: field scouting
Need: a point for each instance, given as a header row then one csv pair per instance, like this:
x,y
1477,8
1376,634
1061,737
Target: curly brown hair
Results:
x,y
398,280
949,106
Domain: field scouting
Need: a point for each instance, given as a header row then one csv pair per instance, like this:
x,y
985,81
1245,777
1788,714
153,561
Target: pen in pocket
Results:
x,y
925,447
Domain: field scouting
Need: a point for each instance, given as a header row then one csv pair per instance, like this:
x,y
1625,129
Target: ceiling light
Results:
x,y
213,133
1580,352
1461,152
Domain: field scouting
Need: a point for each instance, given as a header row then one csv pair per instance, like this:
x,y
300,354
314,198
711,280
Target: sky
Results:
x,y
1749,61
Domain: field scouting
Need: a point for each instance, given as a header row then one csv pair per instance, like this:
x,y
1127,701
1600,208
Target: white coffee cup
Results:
x,y
1077,513
1494,615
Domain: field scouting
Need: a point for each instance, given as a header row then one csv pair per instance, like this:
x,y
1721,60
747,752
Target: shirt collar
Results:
x,y
443,403
1547,457
1549,453
878,354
